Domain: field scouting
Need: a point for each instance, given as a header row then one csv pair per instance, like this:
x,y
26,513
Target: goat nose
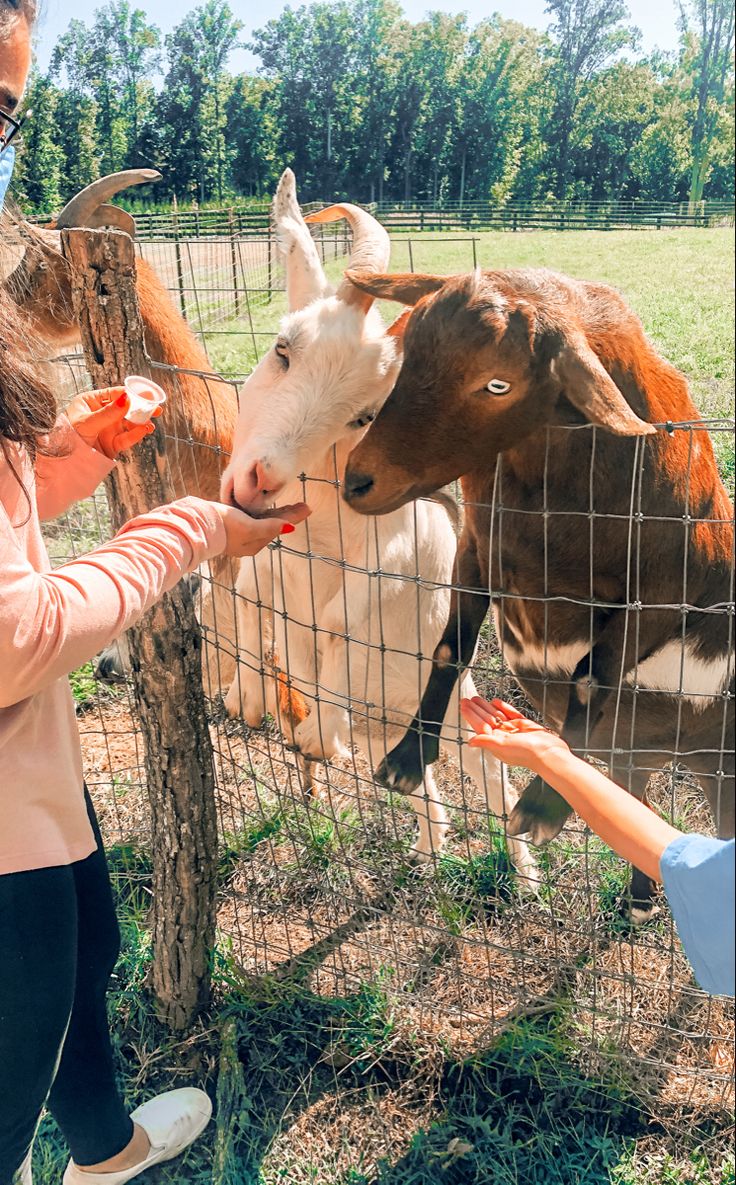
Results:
x,y
263,478
357,485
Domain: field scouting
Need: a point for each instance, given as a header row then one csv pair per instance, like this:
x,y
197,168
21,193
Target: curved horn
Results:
x,y
371,247
82,207
107,215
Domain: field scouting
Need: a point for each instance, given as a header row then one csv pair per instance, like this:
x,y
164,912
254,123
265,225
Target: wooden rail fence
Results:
x,y
234,221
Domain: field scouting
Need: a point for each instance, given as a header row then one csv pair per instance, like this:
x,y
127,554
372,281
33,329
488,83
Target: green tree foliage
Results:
x,y
251,135
108,68
309,55
194,102
367,105
615,113
708,36
37,182
587,34
503,102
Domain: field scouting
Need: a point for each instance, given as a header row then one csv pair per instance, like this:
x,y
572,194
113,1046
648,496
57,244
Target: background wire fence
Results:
x,y
317,881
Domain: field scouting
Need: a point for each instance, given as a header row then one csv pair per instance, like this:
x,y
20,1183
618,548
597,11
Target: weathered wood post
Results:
x,y
165,654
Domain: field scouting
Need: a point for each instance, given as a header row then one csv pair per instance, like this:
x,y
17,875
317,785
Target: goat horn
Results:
x,y
371,247
107,215
81,209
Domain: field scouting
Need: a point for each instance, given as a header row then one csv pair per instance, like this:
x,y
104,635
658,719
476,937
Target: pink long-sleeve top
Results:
x,y
52,622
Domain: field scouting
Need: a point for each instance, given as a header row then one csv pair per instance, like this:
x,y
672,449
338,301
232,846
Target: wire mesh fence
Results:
x,y
324,644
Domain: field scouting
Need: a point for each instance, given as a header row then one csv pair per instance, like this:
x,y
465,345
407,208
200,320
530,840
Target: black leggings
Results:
x,y
59,941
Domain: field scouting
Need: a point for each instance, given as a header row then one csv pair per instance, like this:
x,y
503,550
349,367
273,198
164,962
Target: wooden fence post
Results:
x,y
179,264
165,654
270,263
233,259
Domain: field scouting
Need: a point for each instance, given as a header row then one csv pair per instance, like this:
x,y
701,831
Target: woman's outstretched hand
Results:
x,y
247,536
509,735
99,418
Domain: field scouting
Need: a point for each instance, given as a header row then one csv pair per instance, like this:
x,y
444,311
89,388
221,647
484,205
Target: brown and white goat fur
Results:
x,y
349,604
604,543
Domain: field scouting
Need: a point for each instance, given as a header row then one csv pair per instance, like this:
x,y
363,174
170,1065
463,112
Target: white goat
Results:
x,y
352,601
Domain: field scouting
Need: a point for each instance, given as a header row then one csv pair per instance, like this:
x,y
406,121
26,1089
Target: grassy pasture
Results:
x,y
365,1029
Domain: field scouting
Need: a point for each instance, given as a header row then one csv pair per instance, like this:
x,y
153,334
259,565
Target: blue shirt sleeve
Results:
x,y
698,875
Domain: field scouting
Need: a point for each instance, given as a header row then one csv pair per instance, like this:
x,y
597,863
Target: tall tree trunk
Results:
x,y
218,134
698,173
463,165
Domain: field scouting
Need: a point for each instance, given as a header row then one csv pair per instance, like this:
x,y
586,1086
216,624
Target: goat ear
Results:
x,y
591,389
406,288
305,278
397,328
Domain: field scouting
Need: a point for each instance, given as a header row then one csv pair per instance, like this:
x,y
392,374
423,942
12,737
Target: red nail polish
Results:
x,y
287,529
121,401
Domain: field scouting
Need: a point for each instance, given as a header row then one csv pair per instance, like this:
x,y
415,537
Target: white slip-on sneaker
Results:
x,y
24,1175
172,1121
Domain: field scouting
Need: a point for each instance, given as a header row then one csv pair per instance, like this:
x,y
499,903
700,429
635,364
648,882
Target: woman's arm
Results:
x,y
70,474
622,821
625,824
51,623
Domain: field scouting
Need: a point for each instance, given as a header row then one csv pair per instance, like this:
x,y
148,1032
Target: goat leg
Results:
x,y
402,770
541,811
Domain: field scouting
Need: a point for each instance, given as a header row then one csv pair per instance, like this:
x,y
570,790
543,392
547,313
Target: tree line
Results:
x,y
364,104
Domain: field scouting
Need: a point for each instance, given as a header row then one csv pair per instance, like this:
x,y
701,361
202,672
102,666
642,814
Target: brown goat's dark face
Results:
x,y
484,368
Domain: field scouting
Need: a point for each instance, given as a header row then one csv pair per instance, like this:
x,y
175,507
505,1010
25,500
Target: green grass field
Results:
x,y
363,1031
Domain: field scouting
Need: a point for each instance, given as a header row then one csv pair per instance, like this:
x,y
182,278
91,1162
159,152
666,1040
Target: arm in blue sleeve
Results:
x,y
698,876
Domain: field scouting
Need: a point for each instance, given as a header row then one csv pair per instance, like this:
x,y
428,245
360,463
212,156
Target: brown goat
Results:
x,y
200,414
607,554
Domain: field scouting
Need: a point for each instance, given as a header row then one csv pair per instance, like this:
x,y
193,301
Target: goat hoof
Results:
x,y
639,904
232,703
529,877
639,915
540,813
419,858
401,770
109,668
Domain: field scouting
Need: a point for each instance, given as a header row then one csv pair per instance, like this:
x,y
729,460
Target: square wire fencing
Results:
x,y
319,883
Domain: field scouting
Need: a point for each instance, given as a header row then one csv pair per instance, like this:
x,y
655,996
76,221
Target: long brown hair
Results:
x,y
27,404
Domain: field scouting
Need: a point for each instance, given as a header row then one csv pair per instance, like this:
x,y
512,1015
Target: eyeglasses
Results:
x,y
11,128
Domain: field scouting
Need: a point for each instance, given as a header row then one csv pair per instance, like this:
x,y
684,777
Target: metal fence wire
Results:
x,y
317,876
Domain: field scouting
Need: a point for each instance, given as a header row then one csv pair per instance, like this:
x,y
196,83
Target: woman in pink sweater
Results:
x,y
58,933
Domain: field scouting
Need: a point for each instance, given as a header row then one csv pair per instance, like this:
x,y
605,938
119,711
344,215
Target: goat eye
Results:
x,y
282,353
498,387
366,417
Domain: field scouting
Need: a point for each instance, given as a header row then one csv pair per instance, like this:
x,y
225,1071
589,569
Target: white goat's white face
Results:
x,y
322,383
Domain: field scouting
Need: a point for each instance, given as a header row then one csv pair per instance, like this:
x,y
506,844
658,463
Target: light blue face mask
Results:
x,y
7,161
